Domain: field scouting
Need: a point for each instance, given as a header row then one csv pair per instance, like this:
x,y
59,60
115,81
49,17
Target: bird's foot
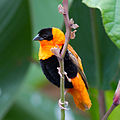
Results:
x,y
67,77
64,74
61,104
59,71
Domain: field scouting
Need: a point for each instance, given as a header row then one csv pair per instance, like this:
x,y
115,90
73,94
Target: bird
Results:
x,y
75,79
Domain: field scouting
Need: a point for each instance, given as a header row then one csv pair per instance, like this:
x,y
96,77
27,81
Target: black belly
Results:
x,y
49,67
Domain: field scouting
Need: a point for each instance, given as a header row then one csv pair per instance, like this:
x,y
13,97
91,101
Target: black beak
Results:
x,y
37,37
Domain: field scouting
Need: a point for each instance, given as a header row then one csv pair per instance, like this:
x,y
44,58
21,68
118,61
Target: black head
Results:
x,y
44,34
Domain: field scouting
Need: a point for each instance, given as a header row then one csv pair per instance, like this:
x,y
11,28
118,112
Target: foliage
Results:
x,y
15,49
101,58
111,16
21,80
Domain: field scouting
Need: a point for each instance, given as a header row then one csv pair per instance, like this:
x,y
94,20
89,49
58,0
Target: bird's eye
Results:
x,y
45,36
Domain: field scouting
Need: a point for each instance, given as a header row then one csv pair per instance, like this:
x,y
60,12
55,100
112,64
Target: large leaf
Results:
x,y
15,48
110,10
31,104
100,57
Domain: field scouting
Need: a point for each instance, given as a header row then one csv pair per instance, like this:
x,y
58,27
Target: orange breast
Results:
x,y
45,49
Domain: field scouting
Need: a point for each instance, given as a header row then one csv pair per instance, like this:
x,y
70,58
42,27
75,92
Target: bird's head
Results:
x,y
50,37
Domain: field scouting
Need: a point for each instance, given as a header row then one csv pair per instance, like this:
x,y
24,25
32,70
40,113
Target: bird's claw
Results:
x,y
59,71
67,77
61,104
64,74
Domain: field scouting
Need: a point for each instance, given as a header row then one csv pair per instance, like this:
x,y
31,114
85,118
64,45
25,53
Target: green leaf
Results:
x,y
110,10
100,57
15,49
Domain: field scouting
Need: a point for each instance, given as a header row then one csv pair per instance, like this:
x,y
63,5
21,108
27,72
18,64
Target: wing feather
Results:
x,y
77,61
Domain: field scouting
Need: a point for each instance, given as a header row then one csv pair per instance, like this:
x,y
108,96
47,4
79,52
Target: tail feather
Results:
x,y
79,93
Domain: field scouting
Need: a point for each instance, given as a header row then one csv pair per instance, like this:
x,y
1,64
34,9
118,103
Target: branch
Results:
x,y
68,28
62,97
69,24
116,102
61,58
108,112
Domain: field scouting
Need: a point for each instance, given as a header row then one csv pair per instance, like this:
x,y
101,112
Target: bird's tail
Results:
x,y
80,93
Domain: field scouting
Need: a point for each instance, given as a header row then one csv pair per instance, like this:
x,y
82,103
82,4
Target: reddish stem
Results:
x,y
108,112
68,28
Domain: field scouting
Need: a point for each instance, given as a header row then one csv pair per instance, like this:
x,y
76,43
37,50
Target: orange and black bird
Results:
x,y
76,85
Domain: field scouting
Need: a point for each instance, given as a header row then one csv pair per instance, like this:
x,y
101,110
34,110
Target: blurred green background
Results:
x,y
25,93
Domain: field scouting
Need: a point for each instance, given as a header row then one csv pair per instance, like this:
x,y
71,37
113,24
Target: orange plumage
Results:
x,y
50,38
79,92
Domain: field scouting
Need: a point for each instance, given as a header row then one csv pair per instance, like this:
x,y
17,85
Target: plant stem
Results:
x,y
61,59
108,112
61,62
61,55
102,105
68,28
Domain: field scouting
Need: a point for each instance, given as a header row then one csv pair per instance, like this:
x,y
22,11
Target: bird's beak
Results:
x,y
37,37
